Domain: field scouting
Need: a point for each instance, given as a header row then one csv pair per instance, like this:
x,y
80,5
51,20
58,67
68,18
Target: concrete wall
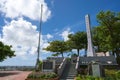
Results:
x,y
104,60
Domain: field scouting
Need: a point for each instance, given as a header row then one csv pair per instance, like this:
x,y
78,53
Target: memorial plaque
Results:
x,y
96,70
48,66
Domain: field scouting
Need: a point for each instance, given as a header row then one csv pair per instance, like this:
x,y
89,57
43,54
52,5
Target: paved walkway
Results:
x,y
13,75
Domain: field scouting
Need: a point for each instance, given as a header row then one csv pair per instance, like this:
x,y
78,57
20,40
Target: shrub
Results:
x,y
35,75
79,78
110,75
118,74
83,77
50,75
40,65
109,78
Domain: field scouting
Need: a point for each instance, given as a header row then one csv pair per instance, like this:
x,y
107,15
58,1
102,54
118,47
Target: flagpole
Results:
x,y
38,49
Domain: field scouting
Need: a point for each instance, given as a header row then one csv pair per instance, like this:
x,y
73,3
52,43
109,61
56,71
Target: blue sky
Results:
x,y
19,23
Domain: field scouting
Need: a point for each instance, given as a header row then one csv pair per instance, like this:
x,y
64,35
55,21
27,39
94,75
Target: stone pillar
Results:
x,y
96,69
90,51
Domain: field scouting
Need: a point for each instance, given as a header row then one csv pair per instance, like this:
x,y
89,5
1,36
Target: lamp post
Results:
x,y
38,49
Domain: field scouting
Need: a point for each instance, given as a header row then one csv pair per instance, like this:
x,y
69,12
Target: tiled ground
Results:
x,y
13,75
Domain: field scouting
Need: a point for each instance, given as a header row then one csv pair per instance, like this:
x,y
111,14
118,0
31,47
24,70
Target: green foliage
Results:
x,y
118,75
59,47
74,55
56,54
51,75
110,75
78,41
5,51
40,65
42,75
106,35
107,18
101,39
109,78
79,77
82,77
91,78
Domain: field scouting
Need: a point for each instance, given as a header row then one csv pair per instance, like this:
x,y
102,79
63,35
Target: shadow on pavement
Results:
x,y
3,74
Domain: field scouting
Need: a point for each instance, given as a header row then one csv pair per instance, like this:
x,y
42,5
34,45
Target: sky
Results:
x,y
19,24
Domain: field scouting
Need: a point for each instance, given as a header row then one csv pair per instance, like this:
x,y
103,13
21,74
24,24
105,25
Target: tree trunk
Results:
x,y
117,54
78,52
85,52
113,53
104,53
62,54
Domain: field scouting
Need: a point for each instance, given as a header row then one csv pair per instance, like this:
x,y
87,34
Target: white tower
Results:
x,y
90,51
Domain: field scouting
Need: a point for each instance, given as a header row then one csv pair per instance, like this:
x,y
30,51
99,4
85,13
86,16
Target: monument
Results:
x,y
90,51
92,64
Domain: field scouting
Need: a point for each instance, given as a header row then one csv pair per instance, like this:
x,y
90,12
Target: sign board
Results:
x,y
48,65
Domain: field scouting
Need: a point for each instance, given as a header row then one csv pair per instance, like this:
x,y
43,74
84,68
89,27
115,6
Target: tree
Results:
x,y
5,51
78,41
59,47
108,32
55,55
110,24
101,39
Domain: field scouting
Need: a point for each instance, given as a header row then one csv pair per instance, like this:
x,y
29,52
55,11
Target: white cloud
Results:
x,y
49,36
65,34
22,35
27,8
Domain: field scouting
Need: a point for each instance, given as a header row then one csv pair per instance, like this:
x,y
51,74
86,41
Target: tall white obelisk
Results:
x,y
90,51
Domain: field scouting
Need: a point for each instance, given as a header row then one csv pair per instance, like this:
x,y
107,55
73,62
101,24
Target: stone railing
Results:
x,y
77,64
62,66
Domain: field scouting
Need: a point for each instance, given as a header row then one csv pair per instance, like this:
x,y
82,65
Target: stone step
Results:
x,y
71,76
69,73
66,79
